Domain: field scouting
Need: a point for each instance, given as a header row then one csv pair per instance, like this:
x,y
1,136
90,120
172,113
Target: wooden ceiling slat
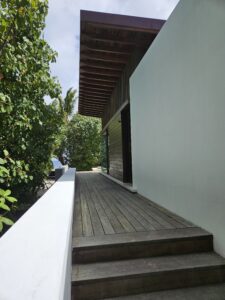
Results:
x,y
95,87
101,65
125,28
93,100
94,92
106,57
108,38
88,105
98,83
92,104
84,76
85,94
92,70
106,49
91,109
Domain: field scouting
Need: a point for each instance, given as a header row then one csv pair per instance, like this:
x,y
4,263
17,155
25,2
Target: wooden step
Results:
x,y
127,277
209,292
141,244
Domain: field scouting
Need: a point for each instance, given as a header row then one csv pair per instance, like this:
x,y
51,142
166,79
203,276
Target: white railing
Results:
x,y
35,254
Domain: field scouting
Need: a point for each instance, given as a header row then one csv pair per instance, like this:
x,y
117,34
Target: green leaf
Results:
x,y
7,193
4,206
6,153
7,221
4,170
11,199
2,161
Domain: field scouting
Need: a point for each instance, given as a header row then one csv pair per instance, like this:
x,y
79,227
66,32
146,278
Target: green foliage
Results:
x,y
67,104
83,142
28,127
65,107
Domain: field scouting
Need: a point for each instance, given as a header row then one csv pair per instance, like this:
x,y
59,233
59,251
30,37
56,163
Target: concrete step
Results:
x,y
127,277
141,244
209,292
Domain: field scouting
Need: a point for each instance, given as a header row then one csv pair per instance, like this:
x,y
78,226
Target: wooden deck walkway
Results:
x,y
128,247
102,207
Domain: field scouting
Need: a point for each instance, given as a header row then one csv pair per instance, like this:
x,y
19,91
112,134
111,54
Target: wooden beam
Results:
x,y
102,65
106,38
94,106
106,57
106,49
94,96
98,82
96,87
92,99
121,21
92,70
97,93
100,78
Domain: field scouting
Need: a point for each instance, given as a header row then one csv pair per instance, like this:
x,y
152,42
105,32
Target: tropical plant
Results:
x,y
65,106
83,142
28,127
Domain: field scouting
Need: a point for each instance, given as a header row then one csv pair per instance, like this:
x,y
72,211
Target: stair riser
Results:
x,y
141,250
147,282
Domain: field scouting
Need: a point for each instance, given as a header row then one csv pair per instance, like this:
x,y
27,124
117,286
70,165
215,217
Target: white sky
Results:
x,y
63,27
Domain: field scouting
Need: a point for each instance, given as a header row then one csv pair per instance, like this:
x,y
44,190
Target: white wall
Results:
x,y
35,253
178,116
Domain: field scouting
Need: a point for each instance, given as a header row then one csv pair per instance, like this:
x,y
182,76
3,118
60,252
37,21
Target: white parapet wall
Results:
x,y
35,254
178,116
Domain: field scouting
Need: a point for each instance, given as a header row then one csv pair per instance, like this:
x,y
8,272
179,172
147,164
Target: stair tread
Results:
x,y
143,266
139,237
208,292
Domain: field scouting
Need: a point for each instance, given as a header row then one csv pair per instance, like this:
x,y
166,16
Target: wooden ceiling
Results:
x,y
107,42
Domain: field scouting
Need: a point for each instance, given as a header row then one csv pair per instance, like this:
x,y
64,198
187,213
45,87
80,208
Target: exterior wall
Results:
x,y
115,149
178,117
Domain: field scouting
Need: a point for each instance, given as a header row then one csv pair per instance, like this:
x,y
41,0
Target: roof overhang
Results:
x,y
107,42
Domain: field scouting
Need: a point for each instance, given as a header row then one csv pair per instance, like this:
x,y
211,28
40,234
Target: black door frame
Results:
x,y
126,144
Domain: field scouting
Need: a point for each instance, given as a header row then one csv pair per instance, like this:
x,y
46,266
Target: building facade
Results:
x,y
159,89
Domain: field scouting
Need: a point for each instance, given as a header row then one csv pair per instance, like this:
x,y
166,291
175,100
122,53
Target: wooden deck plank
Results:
x,y
86,219
141,215
141,210
125,223
169,213
165,215
128,214
118,228
96,222
77,226
153,214
107,226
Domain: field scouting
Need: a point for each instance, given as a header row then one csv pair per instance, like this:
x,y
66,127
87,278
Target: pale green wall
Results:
x,y
178,116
